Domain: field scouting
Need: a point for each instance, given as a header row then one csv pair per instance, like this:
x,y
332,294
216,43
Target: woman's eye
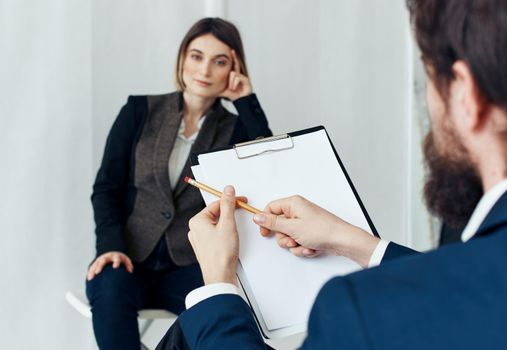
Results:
x,y
195,57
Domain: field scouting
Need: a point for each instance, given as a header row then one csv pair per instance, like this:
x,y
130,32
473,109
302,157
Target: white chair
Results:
x,y
79,301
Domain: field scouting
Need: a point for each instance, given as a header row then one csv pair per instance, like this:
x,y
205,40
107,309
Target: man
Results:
x,y
453,297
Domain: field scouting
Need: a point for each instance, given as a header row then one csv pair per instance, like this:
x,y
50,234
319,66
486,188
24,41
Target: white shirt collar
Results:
x,y
181,130
482,209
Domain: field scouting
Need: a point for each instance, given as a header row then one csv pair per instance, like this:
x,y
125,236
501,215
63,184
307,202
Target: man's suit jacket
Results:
x,y
133,202
451,298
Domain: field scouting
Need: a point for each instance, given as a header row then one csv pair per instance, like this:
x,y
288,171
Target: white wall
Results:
x,y
345,65
67,67
45,152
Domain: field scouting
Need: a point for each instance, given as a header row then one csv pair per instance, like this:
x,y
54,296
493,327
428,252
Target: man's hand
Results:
x,y
214,238
115,258
308,230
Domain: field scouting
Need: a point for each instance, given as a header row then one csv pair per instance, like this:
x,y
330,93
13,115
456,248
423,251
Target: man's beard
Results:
x,y
452,187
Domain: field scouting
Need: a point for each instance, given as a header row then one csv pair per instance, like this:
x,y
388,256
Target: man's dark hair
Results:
x,y
474,31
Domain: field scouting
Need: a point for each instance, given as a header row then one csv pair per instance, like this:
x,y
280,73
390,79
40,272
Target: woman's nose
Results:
x,y
205,68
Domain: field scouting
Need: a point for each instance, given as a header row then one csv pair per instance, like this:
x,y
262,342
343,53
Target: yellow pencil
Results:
x,y
219,194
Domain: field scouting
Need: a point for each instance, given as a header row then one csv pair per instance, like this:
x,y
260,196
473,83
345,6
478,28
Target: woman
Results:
x,y
141,203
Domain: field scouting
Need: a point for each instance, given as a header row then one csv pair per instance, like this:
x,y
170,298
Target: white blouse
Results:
x,y
181,151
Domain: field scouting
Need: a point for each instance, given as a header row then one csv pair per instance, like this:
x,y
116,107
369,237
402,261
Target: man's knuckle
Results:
x,y
274,220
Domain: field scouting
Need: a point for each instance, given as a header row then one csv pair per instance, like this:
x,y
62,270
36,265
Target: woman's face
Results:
x,y
206,66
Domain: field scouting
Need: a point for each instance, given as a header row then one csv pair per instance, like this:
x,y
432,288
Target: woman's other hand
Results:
x,y
239,84
115,258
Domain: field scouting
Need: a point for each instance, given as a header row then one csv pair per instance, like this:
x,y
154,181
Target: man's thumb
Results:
x,y
228,203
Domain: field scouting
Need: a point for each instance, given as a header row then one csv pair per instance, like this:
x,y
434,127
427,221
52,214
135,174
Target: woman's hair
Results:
x,y
221,29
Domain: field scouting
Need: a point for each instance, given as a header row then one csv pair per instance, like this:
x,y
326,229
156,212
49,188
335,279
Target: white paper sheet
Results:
x,y
284,286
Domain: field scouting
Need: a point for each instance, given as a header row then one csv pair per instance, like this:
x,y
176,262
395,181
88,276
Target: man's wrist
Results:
x,y
366,245
225,276
208,291
358,245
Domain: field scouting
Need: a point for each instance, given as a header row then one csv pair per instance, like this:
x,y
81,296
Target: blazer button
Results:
x,y
166,215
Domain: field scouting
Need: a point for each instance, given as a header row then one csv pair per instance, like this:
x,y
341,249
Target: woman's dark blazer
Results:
x,y
132,198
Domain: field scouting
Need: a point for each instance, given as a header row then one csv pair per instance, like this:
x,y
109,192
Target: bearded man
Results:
x,y
449,298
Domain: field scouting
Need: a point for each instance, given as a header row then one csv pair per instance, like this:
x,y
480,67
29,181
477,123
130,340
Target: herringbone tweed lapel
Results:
x,y
203,143
167,115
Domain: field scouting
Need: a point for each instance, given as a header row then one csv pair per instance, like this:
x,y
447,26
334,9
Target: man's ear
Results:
x,y
467,96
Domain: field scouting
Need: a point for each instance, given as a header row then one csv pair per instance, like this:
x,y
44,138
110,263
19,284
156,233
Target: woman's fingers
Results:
x,y
237,68
235,80
127,262
91,272
236,83
116,258
101,262
94,269
232,75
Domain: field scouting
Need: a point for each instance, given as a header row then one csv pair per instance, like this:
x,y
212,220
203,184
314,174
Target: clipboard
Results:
x,y
302,162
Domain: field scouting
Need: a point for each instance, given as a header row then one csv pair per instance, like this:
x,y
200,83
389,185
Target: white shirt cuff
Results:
x,y
208,291
378,253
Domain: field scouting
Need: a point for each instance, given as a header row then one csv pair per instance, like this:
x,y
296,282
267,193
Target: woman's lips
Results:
x,y
202,83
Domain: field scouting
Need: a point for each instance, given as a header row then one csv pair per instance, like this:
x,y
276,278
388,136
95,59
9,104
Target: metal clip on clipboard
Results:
x,y
263,145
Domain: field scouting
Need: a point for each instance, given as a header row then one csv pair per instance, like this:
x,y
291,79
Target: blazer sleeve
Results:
x,y
226,322
221,322
110,187
335,320
395,251
252,122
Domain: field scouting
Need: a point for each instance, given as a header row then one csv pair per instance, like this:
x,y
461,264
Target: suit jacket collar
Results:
x,y
172,113
203,142
496,217
169,112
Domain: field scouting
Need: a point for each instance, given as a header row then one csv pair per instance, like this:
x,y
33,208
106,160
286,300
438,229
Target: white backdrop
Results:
x,y
68,66
46,157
